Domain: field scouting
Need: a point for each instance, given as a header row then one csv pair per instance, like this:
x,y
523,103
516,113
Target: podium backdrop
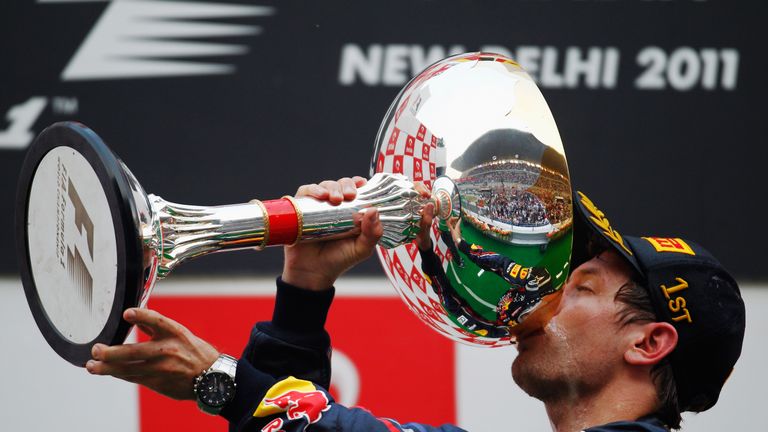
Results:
x,y
660,104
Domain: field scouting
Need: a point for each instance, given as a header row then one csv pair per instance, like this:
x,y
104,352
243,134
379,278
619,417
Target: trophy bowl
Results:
x,y
473,128
476,126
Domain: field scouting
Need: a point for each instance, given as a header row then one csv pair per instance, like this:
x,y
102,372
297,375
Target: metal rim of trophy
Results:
x,y
129,252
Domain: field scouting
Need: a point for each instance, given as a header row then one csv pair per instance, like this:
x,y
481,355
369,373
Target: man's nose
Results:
x,y
567,288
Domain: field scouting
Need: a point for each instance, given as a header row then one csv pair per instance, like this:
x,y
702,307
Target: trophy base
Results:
x,y
77,240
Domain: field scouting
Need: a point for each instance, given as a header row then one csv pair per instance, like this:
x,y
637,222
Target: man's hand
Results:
x,y
423,239
167,364
316,266
454,224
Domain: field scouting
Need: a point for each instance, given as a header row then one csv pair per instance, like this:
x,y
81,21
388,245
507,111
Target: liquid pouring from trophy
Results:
x,y
474,128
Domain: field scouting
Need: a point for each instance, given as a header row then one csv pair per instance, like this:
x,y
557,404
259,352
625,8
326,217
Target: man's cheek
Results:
x,y
579,318
556,329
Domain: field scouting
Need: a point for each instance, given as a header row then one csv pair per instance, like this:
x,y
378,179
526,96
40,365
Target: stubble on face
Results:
x,y
576,352
551,373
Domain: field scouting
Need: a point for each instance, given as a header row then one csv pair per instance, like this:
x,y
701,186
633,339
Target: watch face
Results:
x,y
215,389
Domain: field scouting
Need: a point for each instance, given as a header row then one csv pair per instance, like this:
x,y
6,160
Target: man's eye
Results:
x,y
583,288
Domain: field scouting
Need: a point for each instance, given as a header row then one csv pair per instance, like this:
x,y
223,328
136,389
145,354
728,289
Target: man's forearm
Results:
x,y
295,341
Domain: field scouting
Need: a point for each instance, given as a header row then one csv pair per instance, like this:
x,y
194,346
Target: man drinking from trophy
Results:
x,y
613,333
622,351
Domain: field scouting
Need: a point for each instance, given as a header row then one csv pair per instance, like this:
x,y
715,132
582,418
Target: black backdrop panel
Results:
x,y
659,103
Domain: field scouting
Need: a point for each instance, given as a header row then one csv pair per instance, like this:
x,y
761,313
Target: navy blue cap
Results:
x,y
689,289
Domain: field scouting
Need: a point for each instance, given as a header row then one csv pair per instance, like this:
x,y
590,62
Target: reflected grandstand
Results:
x,y
516,201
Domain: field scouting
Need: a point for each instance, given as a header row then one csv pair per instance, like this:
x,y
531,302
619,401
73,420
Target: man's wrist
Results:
x,y
252,384
308,280
300,309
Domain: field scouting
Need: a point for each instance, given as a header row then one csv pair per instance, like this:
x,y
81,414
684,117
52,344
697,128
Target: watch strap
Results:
x,y
225,363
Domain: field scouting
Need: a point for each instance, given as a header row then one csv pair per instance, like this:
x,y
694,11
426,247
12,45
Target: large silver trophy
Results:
x,y
474,128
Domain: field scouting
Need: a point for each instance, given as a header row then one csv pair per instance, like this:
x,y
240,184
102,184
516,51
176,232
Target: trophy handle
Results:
x,y
180,231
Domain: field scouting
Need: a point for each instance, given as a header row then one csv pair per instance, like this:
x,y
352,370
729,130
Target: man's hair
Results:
x,y
637,307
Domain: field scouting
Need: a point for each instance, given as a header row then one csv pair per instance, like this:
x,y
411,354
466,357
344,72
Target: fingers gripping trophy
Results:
x,y
470,139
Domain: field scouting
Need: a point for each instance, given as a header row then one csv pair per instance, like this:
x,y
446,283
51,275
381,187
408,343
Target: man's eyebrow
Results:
x,y
589,271
585,272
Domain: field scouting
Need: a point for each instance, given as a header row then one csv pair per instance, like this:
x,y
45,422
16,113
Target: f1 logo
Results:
x,y
79,274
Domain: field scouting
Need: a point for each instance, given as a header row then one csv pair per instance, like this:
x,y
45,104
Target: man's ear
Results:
x,y
651,342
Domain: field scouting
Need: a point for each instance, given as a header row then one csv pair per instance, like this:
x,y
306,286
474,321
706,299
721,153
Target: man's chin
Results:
x,y
520,374
530,379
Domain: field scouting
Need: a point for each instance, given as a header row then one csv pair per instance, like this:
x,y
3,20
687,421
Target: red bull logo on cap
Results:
x,y
297,398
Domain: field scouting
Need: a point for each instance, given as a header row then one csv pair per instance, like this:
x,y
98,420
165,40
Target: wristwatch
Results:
x,y
215,387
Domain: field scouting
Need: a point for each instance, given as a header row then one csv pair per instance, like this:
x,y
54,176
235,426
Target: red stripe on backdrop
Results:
x,y
406,370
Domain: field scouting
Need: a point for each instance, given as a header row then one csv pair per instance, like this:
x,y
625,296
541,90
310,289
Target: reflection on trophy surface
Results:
x,y
480,121
473,128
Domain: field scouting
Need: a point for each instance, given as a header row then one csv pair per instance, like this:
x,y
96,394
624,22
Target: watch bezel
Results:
x,y
203,396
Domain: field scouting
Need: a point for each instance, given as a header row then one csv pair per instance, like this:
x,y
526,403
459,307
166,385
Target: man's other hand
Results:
x,y
423,239
168,363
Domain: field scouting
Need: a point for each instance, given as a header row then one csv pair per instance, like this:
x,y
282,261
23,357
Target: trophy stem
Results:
x,y
187,231
181,231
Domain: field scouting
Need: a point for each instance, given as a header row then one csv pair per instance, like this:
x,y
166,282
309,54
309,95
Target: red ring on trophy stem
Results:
x,y
283,222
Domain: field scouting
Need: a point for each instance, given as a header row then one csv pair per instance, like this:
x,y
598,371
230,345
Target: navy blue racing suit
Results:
x,y
285,370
